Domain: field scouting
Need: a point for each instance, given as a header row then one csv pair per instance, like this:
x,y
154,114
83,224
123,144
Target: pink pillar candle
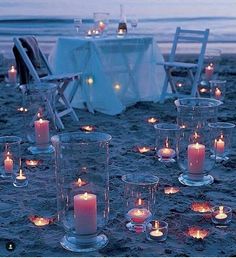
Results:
x,y
218,93
85,213
41,131
209,70
196,158
8,164
12,75
219,146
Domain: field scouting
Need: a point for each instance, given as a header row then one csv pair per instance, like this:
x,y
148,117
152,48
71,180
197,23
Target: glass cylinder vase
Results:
x,y
194,154
196,112
221,144
139,199
82,185
10,156
166,141
39,101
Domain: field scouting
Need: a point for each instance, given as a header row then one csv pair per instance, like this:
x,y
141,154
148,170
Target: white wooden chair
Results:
x,y
193,70
30,59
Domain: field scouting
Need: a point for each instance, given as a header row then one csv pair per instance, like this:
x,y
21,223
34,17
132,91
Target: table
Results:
x,y
117,72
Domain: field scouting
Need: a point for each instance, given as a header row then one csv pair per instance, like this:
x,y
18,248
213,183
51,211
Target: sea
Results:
x,y
50,19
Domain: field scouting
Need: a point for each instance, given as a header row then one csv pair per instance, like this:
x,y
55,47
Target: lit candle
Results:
x,y
156,232
219,145
171,190
203,90
85,213
209,70
201,207
80,182
101,26
196,158
121,32
32,163
143,149
139,215
152,120
218,93
8,164
221,215
197,233
41,131
21,177
87,128
89,33
166,152
40,221
12,74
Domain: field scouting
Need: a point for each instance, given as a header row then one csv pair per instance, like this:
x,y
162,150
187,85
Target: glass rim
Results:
x,y
217,81
155,179
221,125
10,139
167,126
214,102
225,208
83,136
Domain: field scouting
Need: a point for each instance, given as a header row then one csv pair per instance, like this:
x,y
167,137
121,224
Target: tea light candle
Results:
x,y
209,70
197,233
80,182
32,163
219,145
89,33
156,232
85,213
143,149
21,177
121,32
201,207
87,128
139,215
203,90
221,215
166,153
12,74
40,221
196,159
152,120
8,164
41,131
171,190
218,93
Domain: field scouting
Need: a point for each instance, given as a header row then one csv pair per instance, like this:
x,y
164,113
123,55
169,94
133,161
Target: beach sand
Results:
x,y
128,129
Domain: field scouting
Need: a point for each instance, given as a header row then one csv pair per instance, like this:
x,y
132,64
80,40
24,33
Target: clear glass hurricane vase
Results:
x,y
82,184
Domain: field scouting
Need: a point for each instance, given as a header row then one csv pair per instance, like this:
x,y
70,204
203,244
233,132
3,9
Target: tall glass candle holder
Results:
x,y
194,156
40,117
166,141
10,156
218,89
101,22
196,112
83,188
139,199
221,144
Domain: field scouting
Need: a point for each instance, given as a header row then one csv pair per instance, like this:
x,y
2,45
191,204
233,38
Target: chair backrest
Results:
x,y
190,36
30,61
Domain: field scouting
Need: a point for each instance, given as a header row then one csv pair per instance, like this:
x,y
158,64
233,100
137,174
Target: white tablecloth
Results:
x,y
123,70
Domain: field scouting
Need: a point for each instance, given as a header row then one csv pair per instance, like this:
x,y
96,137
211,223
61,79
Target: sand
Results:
x,y
128,129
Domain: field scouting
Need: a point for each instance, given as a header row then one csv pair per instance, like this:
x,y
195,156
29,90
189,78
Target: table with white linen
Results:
x,y
117,72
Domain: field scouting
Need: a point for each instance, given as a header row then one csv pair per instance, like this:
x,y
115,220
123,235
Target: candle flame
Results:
x,y
221,209
12,68
217,92
143,149
156,226
79,181
197,232
201,207
152,120
139,201
85,196
167,143
21,173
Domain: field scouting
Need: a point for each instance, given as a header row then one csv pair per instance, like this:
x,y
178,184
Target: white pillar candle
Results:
x,y
12,74
196,158
41,131
85,213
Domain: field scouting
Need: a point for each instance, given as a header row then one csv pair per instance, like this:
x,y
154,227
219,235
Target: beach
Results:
x,y
128,130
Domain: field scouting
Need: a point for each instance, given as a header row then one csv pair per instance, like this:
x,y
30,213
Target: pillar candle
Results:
x,y
12,75
209,70
85,213
196,157
219,146
218,93
8,164
101,25
41,131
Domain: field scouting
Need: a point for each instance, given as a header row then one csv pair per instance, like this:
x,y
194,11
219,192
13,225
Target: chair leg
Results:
x,y
164,89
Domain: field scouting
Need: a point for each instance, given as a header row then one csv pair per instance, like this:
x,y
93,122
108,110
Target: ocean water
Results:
x,y
48,19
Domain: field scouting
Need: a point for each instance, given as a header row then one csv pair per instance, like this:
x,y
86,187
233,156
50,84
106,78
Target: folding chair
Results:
x,y
32,65
193,69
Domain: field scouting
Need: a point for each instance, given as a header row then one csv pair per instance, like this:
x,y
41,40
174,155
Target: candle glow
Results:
x,y
152,120
32,163
21,176
171,190
219,145
156,232
40,221
87,128
201,207
218,93
139,215
143,149
221,214
197,233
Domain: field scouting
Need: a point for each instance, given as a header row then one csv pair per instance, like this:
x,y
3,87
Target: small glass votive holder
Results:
x,y
166,141
20,179
221,146
139,199
156,230
10,156
218,89
221,215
